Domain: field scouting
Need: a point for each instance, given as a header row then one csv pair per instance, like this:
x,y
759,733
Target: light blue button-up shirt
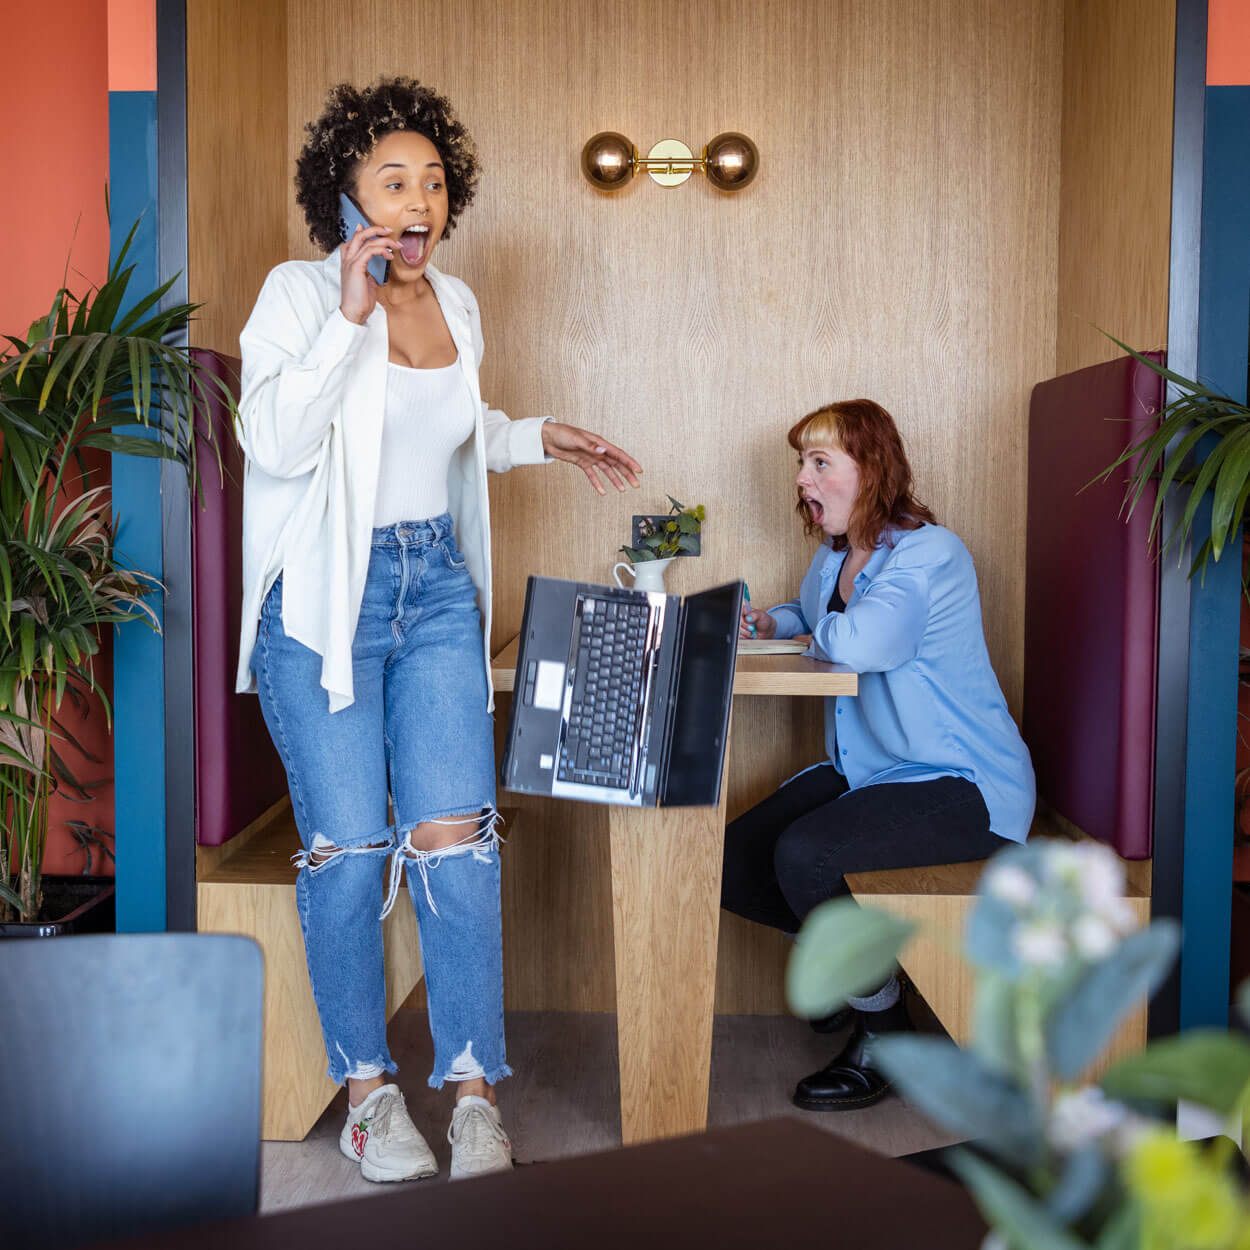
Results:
x,y
929,704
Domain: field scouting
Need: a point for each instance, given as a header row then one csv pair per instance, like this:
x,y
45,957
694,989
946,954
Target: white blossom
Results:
x,y
1081,1116
1092,936
1094,876
1010,884
1040,944
1064,862
1102,877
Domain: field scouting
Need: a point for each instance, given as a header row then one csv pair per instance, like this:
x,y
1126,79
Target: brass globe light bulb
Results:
x,y
731,161
608,160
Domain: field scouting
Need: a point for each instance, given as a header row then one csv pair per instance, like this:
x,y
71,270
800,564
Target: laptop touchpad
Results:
x,y
549,686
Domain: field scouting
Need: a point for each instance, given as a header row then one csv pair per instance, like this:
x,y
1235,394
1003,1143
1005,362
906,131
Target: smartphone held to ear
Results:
x,y
379,267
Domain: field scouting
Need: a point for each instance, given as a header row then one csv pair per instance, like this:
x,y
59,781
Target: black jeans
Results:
x,y
793,850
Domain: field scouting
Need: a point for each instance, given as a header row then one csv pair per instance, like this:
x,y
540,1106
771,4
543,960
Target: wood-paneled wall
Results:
x,y
1115,199
900,242
238,179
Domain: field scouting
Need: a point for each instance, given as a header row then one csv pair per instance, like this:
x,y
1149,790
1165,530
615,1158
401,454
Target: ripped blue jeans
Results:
x,y
418,732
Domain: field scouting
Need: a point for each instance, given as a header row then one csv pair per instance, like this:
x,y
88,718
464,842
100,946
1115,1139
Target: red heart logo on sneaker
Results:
x,y
360,1135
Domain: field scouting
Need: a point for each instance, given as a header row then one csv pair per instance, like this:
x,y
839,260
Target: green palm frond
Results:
x,y
86,378
1201,444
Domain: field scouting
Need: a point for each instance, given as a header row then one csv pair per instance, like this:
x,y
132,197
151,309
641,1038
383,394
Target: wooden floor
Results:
x,y
563,1099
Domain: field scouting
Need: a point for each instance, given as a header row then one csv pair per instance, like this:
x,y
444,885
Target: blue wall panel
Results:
x,y
138,669
1215,605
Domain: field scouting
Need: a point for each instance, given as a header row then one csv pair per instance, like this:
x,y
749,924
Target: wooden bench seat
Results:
x,y
938,900
248,886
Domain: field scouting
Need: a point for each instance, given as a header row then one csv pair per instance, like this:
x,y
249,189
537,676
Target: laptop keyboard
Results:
x,y
603,716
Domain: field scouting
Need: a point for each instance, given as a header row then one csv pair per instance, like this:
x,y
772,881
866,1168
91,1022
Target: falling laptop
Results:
x,y
622,696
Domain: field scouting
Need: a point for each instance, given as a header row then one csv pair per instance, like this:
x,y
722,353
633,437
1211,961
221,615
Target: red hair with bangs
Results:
x,y
866,433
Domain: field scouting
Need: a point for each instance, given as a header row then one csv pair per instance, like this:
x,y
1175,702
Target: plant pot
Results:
x,y
71,905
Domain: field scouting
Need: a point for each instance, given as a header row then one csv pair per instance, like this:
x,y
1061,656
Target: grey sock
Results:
x,y
884,998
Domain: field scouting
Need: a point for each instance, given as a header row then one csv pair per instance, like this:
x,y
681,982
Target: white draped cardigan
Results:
x,y
310,425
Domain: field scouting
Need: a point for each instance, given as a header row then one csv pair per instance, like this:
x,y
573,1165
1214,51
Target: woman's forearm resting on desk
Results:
x,y
880,632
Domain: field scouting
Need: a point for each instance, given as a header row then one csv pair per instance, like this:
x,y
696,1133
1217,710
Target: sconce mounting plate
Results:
x,y
674,162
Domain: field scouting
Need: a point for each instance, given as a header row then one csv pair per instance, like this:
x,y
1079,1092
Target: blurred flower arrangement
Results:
x,y
1058,964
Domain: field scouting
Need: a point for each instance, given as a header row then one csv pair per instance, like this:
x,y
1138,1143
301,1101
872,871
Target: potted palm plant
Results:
x,y
97,374
1200,420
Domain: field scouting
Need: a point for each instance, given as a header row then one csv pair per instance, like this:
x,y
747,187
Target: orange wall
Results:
x,y
54,113
1228,43
132,45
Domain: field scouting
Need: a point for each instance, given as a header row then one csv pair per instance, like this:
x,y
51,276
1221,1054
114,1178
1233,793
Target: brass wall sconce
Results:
x,y
609,161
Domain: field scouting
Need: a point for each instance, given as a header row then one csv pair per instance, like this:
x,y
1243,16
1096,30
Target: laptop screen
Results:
x,y
701,720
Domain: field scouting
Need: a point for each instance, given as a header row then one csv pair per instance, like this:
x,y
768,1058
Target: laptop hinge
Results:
x,y
670,711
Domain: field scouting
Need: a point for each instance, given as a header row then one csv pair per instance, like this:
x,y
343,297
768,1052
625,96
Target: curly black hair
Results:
x,y
351,124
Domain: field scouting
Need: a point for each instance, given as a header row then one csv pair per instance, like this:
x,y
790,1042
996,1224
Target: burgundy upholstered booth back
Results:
x,y
1091,606
238,774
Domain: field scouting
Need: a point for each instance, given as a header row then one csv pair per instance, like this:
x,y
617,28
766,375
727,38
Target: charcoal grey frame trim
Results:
x,y
1172,712
179,657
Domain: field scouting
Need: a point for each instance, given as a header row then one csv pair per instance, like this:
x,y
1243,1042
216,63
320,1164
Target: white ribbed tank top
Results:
x,y
429,413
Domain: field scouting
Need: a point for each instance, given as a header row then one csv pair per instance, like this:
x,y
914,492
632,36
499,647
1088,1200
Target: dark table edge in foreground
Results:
x,y
769,1183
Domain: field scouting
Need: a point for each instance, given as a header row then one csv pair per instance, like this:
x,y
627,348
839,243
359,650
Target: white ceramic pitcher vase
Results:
x,y
647,574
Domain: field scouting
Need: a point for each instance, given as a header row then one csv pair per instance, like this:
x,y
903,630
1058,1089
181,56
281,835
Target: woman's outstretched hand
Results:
x,y
765,625
360,292
592,454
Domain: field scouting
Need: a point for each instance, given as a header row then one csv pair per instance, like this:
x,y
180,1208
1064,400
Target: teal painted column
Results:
x,y
1215,602
138,654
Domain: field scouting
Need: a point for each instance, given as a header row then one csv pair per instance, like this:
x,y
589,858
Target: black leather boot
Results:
x,y
834,1022
850,1080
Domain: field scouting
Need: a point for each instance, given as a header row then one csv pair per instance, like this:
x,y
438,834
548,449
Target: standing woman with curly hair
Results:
x,y
366,580
925,766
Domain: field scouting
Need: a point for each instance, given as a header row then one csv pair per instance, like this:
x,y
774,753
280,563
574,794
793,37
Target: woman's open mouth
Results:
x,y
414,245
816,508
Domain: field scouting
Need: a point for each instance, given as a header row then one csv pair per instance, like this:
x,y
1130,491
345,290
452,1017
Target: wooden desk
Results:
x,y
779,1183
666,878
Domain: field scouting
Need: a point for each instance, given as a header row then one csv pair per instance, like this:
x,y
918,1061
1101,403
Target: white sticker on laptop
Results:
x,y
549,685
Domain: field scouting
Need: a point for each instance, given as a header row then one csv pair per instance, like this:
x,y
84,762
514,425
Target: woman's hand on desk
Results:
x,y
765,625
592,454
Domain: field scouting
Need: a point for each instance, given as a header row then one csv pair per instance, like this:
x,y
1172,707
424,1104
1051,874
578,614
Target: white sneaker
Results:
x,y
478,1143
380,1135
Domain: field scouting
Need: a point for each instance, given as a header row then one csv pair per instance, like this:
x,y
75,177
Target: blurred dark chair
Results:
x,y
130,1077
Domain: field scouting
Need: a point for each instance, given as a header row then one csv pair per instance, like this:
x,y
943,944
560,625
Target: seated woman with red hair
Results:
x,y
925,766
